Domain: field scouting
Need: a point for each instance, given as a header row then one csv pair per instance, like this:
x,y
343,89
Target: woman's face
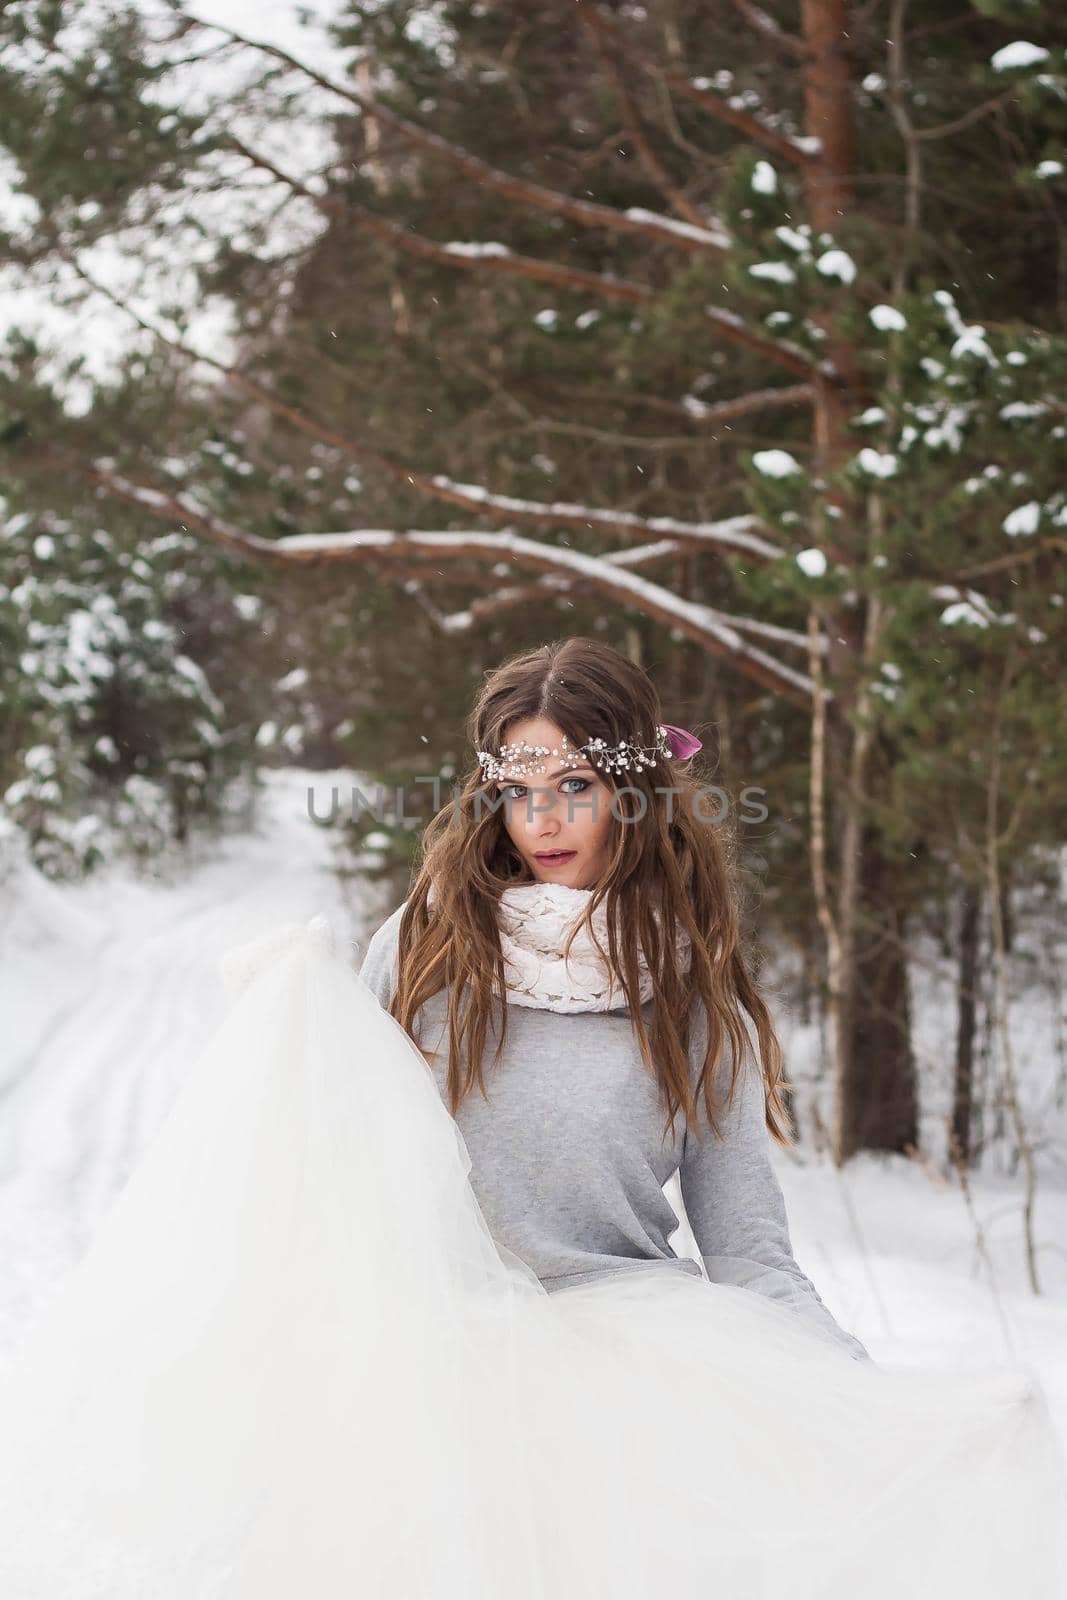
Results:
x,y
558,810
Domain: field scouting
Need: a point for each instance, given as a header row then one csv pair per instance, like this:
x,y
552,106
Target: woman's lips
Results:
x,y
551,858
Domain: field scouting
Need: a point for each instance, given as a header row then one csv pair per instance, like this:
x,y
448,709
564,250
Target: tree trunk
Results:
x,y
875,1099
966,1013
880,1100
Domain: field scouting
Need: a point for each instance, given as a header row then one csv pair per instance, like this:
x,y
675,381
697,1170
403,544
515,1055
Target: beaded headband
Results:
x,y
519,760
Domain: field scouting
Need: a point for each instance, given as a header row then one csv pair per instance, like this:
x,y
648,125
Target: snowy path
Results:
x,y
109,989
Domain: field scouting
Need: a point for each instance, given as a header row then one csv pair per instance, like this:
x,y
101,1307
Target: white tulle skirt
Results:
x,y
294,1365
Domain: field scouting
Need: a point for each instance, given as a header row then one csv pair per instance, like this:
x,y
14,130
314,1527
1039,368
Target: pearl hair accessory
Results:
x,y
518,760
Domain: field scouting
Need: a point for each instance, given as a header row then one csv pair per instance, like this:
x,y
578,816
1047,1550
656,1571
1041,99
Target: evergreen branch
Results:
x,y
704,626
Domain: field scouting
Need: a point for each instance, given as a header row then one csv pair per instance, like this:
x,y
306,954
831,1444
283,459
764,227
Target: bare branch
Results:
x,y
557,586
742,405
697,622
552,585
495,257
737,535
769,29
469,257
702,93
782,351
1017,558
943,129
700,233
709,414
674,195
740,535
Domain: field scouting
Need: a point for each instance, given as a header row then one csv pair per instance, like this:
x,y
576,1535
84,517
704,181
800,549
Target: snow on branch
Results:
x,y
476,256
494,257
550,585
754,123
713,631
737,535
783,351
672,192
706,235
743,534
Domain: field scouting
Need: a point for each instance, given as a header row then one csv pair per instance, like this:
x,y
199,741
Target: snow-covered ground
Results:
x,y
109,989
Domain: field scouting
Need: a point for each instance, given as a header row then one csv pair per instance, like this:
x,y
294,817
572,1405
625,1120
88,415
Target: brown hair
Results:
x,y
670,858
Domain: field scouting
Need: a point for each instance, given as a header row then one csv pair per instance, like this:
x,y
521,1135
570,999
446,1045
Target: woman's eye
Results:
x,y
507,792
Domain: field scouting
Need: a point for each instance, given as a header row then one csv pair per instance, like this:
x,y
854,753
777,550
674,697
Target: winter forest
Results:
x,y
348,348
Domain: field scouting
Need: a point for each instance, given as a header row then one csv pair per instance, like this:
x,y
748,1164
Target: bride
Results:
x,y
389,1307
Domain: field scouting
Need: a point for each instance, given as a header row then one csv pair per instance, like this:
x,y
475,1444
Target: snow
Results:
x,y
963,611
794,238
296,679
969,605
1024,519
877,463
887,319
712,238
110,989
764,178
812,563
775,463
970,339
107,990
196,220
776,271
1022,410
836,264
1020,53
475,250
972,342
948,423
741,532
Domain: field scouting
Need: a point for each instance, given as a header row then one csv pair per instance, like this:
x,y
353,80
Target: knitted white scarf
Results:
x,y
534,920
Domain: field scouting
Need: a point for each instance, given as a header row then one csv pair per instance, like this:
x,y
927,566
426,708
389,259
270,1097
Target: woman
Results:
x,y
389,1307
568,1159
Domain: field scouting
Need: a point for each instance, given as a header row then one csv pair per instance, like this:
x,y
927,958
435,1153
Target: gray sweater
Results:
x,y
568,1162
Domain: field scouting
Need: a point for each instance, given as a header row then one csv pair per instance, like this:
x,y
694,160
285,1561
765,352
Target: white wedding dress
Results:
x,y
236,1395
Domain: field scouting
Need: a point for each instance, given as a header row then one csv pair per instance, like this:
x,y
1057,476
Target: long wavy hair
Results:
x,y
669,867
